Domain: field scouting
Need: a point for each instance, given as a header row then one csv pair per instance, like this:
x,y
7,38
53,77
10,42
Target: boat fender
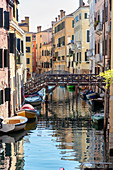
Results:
x,y
61,168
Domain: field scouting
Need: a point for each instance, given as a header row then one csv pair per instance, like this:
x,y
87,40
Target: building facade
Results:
x,y
63,33
81,41
91,52
102,26
46,59
17,56
4,60
42,38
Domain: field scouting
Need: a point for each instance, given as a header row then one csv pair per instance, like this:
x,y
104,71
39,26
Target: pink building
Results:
x,y
42,37
102,26
4,60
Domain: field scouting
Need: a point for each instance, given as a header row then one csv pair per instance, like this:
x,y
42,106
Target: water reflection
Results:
x,y
61,136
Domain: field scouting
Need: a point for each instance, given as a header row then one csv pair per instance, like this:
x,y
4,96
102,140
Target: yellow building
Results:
x,y
81,41
63,33
46,59
17,59
28,38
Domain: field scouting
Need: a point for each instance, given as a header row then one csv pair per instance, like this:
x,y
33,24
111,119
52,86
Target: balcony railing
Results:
x,y
99,27
98,58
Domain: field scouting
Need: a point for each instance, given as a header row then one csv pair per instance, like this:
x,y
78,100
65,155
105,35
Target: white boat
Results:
x,y
35,100
18,121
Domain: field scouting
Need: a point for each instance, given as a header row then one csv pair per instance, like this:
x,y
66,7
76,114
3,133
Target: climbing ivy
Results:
x,y
108,77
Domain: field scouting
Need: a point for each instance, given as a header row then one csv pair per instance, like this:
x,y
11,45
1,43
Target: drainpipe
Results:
x,y
9,103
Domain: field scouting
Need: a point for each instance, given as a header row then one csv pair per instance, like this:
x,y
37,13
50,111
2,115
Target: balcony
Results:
x,y
98,58
99,28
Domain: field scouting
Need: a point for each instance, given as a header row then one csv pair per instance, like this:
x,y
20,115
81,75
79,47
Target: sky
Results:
x,y
42,12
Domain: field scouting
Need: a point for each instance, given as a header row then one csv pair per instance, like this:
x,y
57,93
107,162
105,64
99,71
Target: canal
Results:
x,y
62,136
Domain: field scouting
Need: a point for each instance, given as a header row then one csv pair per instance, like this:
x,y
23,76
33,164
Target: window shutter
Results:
x,y
11,42
14,11
1,97
1,58
87,35
6,20
17,14
1,17
22,46
7,94
5,58
18,44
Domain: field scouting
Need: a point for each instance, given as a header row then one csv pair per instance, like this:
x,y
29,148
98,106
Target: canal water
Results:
x,y
61,137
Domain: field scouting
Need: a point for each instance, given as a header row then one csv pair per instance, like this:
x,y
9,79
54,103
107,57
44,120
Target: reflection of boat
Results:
x,y
18,121
35,100
31,125
92,95
27,111
13,137
71,88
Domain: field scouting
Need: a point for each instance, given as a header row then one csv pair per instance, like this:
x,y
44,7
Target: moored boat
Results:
x,y
35,100
93,95
98,118
18,121
28,111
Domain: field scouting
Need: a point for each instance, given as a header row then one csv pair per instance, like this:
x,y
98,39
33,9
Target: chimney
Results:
x,y
80,3
56,19
27,21
38,29
64,13
59,17
61,14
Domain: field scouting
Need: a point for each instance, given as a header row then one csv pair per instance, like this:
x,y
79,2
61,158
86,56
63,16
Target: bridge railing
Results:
x,y
51,78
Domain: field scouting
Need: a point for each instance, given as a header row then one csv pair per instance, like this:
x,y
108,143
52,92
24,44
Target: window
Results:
x,y
80,16
63,57
1,97
80,57
27,49
85,56
22,46
1,17
1,58
58,58
14,11
60,27
28,39
18,44
28,60
72,23
87,35
85,16
6,20
40,45
17,14
7,94
73,37
5,58
11,42
77,18
28,69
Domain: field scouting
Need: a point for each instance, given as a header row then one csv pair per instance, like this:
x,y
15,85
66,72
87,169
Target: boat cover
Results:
x,y
27,106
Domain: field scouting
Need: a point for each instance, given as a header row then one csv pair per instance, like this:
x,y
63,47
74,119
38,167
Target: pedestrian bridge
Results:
x,y
61,78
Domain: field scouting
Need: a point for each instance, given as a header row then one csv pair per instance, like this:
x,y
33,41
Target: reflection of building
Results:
x,y
81,34
4,61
